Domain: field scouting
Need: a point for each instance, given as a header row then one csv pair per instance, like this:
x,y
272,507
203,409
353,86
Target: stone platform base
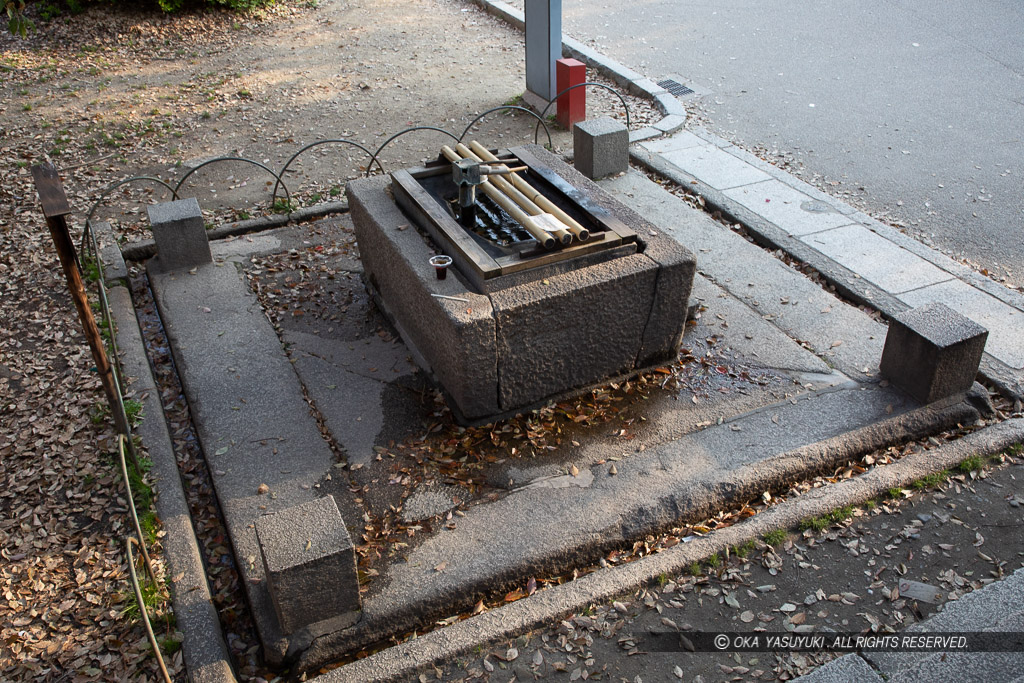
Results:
x,y
511,349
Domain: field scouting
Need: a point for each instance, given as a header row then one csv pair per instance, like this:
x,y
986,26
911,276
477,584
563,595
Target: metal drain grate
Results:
x,y
677,89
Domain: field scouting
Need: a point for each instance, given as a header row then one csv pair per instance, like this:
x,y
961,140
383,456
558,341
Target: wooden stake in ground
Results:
x,y
56,208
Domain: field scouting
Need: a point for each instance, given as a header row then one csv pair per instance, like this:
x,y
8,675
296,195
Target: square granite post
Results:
x,y
310,564
180,235
932,352
600,147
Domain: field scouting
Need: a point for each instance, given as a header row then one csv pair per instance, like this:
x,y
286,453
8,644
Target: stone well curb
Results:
x,y
206,655
404,661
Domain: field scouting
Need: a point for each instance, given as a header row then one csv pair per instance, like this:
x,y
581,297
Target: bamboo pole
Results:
x,y
581,233
559,232
524,219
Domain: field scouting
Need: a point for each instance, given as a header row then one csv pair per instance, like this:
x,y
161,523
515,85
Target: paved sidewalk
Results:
x,y
868,261
994,608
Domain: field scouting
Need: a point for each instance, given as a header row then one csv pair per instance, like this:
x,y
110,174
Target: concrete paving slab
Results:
x,y
713,166
876,259
350,382
753,339
844,337
681,140
541,529
975,611
849,668
1004,323
787,208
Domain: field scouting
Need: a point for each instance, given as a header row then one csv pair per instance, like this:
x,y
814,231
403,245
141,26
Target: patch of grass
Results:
x,y
870,504
27,106
170,644
694,569
283,206
714,560
741,551
90,269
335,191
1015,449
895,493
151,597
99,413
970,464
662,579
825,521
932,480
133,410
776,537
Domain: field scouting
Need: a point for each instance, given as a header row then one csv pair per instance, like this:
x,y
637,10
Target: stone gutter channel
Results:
x,y
206,654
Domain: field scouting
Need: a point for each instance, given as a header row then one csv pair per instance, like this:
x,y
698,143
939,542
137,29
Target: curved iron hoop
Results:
x,y
583,85
287,194
400,134
536,129
324,142
110,188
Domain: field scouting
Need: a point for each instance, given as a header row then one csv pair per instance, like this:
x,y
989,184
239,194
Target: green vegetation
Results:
x,y
931,480
825,521
741,551
970,464
895,492
714,560
18,24
133,410
694,569
774,538
283,206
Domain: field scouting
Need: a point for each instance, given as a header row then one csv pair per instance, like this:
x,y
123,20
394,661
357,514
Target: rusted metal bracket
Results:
x,y
55,207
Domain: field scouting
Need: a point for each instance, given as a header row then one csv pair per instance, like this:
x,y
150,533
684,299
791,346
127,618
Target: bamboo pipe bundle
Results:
x,y
581,233
559,232
524,219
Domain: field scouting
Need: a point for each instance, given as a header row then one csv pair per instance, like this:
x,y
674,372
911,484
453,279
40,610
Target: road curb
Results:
x,y
404,661
673,112
206,655
847,283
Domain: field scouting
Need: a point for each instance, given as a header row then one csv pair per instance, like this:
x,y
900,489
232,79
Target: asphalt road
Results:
x,y
916,109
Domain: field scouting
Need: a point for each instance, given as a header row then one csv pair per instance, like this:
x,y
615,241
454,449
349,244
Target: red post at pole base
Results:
x,y
572,106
